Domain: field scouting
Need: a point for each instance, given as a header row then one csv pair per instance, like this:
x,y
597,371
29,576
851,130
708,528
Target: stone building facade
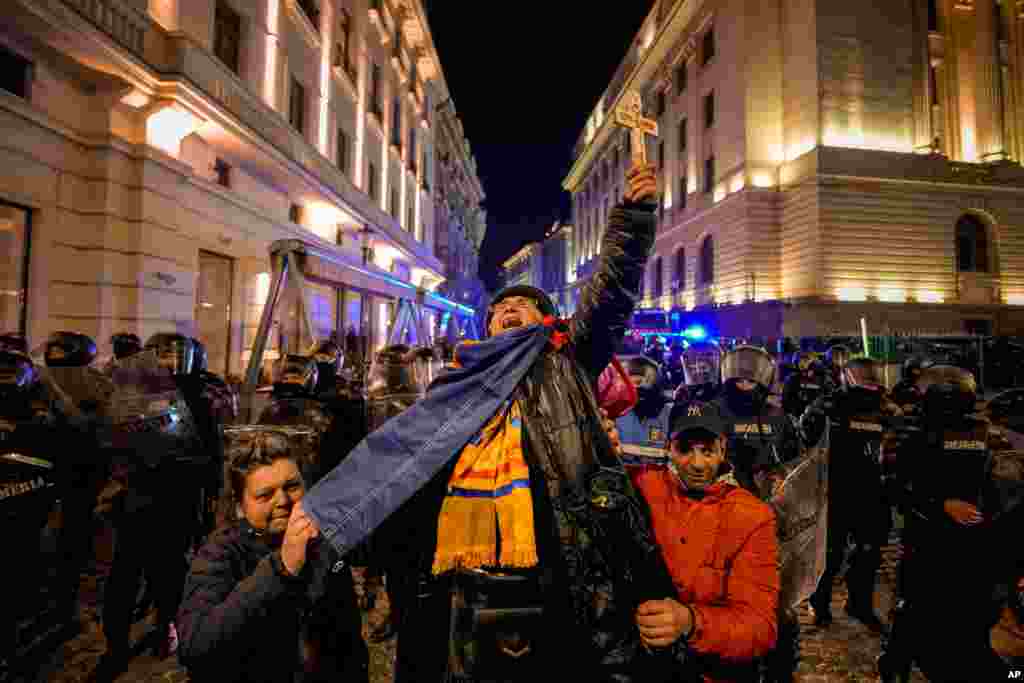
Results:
x,y
525,267
821,161
460,219
555,258
152,152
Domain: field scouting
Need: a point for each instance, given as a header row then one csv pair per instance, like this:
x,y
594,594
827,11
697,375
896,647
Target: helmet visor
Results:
x,y
748,363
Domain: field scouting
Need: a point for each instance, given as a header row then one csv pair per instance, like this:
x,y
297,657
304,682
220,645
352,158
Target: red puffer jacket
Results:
x,y
722,551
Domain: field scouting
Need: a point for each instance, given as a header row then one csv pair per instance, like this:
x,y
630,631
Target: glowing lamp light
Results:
x,y
166,128
695,333
1015,299
892,295
929,297
719,193
262,287
852,294
763,180
737,184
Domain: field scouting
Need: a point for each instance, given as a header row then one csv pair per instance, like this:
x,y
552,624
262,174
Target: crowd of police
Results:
x,y
926,450
74,451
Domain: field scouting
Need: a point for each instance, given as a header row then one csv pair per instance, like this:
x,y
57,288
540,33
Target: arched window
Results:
x,y
707,261
656,289
681,270
971,245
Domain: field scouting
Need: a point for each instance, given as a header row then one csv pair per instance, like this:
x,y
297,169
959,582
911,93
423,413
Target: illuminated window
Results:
x,y
709,109
311,10
706,274
681,77
972,253
681,270
709,175
656,289
393,205
227,35
661,155
15,74
343,151
708,50
297,106
374,98
341,47
682,136
15,231
371,182
396,122
661,102
223,171
681,197
412,149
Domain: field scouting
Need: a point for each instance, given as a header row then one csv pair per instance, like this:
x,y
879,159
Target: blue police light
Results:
x,y
695,332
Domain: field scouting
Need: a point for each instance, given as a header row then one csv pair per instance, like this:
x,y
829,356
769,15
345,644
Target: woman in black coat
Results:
x,y
264,599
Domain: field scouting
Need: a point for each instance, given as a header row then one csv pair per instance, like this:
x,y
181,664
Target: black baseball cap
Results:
x,y
697,416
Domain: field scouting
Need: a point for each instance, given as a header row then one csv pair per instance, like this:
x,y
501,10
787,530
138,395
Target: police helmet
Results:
x,y
12,341
948,391
644,372
69,349
838,356
864,374
201,362
176,352
394,371
802,360
17,371
913,366
748,363
125,344
296,375
702,363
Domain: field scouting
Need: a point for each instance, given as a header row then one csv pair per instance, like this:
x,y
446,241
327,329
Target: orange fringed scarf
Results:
x,y
489,506
489,510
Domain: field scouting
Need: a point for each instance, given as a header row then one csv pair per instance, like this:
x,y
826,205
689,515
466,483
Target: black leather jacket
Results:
x,y
591,597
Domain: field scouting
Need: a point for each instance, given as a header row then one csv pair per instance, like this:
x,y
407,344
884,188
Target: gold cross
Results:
x,y
630,115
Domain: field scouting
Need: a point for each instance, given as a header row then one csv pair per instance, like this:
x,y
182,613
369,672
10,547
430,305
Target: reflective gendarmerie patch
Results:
x,y
965,446
633,454
21,487
865,426
810,386
751,428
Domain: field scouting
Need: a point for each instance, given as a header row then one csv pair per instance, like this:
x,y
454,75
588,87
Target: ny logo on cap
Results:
x,y
694,411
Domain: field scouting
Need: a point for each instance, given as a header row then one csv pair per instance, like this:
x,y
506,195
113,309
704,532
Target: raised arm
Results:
x,y
608,298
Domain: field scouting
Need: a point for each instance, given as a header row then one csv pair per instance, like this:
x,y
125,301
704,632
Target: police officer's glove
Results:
x,y
812,423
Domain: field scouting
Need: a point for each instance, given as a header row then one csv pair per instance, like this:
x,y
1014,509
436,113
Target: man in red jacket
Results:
x,y
720,544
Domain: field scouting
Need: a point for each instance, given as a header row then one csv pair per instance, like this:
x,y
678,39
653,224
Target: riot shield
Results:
x,y
798,492
148,417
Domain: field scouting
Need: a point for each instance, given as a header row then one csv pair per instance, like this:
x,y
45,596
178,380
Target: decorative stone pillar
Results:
x,y
987,82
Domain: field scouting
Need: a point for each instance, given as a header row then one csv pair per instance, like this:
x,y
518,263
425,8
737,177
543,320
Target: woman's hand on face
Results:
x,y
662,622
301,530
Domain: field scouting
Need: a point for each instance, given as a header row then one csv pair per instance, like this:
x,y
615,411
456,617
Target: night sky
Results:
x,y
525,77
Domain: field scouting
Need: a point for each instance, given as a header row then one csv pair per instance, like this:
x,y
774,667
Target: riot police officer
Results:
x,y
762,438
836,359
159,513
702,368
643,432
957,528
80,394
125,345
807,381
857,504
904,392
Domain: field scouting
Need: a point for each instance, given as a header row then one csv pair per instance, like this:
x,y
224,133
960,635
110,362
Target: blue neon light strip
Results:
x,y
401,283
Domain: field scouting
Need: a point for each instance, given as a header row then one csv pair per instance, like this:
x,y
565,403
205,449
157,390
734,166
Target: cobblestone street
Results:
x,y
845,651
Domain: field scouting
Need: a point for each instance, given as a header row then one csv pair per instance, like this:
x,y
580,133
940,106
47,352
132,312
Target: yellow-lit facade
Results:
x,y
821,161
157,148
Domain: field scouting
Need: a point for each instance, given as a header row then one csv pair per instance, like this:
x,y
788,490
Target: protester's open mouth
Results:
x,y
511,321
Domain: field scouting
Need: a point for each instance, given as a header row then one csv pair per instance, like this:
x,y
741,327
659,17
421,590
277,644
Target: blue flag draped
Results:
x,y
394,462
